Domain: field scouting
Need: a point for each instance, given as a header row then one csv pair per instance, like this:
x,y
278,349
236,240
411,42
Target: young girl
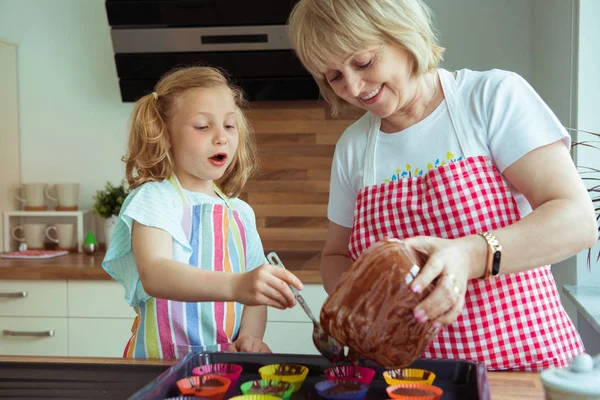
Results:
x,y
185,249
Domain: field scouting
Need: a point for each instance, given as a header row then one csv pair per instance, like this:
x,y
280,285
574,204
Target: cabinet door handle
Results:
x,y
48,333
13,294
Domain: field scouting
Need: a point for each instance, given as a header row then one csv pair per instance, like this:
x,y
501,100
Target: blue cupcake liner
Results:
x,y
323,386
186,398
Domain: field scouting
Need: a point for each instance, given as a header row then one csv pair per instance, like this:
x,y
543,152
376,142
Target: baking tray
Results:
x,y
459,379
25,380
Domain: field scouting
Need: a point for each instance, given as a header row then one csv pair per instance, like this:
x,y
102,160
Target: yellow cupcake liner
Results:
x,y
270,372
255,397
408,375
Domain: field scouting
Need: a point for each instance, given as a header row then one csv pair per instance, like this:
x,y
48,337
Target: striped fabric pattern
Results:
x,y
170,329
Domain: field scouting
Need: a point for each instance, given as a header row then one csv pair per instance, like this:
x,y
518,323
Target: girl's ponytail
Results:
x,y
147,157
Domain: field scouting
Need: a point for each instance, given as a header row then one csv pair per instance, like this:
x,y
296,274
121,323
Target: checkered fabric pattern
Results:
x,y
511,322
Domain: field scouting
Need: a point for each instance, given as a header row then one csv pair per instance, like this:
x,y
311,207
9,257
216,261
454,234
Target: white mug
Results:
x,y
32,194
67,194
64,235
33,234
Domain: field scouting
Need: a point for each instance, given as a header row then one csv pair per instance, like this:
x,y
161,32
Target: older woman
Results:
x,y
471,168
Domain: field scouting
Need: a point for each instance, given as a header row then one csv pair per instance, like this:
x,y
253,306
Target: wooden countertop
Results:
x,y
503,385
80,266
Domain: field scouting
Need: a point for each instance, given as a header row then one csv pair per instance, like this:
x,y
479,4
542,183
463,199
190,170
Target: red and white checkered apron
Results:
x,y
513,321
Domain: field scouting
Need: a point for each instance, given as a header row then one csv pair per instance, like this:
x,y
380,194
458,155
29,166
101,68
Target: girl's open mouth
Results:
x,y
218,159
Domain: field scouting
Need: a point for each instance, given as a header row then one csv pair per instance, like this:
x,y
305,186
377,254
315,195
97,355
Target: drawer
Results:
x,y
290,337
31,336
98,299
315,296
98,337
33,298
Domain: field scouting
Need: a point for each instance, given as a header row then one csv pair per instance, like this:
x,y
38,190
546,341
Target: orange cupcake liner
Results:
x,y
419,391
195,385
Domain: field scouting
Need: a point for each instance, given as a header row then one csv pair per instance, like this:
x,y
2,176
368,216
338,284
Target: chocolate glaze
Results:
x,y
288,369
209,382
400,375
271,387
412,392
344,387
371,309
341,372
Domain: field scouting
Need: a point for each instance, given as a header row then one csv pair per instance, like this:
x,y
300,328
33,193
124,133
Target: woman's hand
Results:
x,y
248,344
451,262
266,285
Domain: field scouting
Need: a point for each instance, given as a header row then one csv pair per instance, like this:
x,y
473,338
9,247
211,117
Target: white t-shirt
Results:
x,y
508,120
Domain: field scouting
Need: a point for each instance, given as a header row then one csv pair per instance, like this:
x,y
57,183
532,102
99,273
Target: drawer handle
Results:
x,y
48,333
13,294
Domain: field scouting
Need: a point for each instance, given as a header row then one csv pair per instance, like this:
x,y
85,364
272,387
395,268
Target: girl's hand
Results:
x,y
266,285
452,262
248,344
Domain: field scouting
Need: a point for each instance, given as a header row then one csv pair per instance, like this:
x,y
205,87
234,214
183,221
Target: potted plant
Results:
x,y
107,204
591,177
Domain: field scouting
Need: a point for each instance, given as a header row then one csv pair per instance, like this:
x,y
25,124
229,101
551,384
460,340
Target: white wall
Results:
x,y
72,121
588,111
9,130
554,24
485,34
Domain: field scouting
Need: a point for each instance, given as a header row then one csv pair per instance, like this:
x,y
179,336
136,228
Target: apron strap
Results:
x,y
175,182
457,111
222,196
369,160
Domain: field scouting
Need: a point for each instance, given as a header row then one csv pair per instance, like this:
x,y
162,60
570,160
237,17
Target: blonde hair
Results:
x,y
323,30
148,156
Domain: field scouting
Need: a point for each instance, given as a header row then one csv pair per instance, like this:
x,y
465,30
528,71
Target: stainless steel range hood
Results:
x,y
151,37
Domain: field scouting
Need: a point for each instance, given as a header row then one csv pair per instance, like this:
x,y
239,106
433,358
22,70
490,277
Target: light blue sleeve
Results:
x,y
154,204
255,255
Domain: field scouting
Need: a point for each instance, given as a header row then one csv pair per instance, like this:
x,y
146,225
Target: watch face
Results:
x,y
496,263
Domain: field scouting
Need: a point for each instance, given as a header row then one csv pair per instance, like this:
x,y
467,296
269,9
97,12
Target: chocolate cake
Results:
x,y
270,388
405,377
412,392
288,369
344,387
371,309
210,382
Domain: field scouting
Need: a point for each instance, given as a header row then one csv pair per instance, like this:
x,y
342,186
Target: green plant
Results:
x,y
591,176
108,202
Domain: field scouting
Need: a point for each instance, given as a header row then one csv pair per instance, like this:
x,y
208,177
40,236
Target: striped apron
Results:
x,y
511,322
171,329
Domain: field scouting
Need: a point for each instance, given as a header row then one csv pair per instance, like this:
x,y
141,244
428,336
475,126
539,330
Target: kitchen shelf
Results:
x,y
79,216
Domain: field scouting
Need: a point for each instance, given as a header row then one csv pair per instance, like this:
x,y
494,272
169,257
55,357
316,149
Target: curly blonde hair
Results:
x,y
326,30
148,156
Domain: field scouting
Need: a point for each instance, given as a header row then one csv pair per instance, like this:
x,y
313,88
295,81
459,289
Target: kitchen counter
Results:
x,y
80,266
503,385
587,301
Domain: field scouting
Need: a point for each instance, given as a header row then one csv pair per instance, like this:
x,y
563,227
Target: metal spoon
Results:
x,y
330,348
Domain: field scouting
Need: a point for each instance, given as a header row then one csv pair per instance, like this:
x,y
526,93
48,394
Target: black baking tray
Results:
x,y
459,379
25,380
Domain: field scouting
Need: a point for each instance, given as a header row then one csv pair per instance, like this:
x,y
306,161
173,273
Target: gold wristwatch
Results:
x,y
492,267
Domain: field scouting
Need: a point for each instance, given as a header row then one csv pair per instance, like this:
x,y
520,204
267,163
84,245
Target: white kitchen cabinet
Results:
x,y
34,336
92,319
290,337
314,295
26,298
290,331
99,319
98,337
98,299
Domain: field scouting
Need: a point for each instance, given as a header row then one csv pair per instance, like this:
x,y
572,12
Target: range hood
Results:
x,y
249,39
